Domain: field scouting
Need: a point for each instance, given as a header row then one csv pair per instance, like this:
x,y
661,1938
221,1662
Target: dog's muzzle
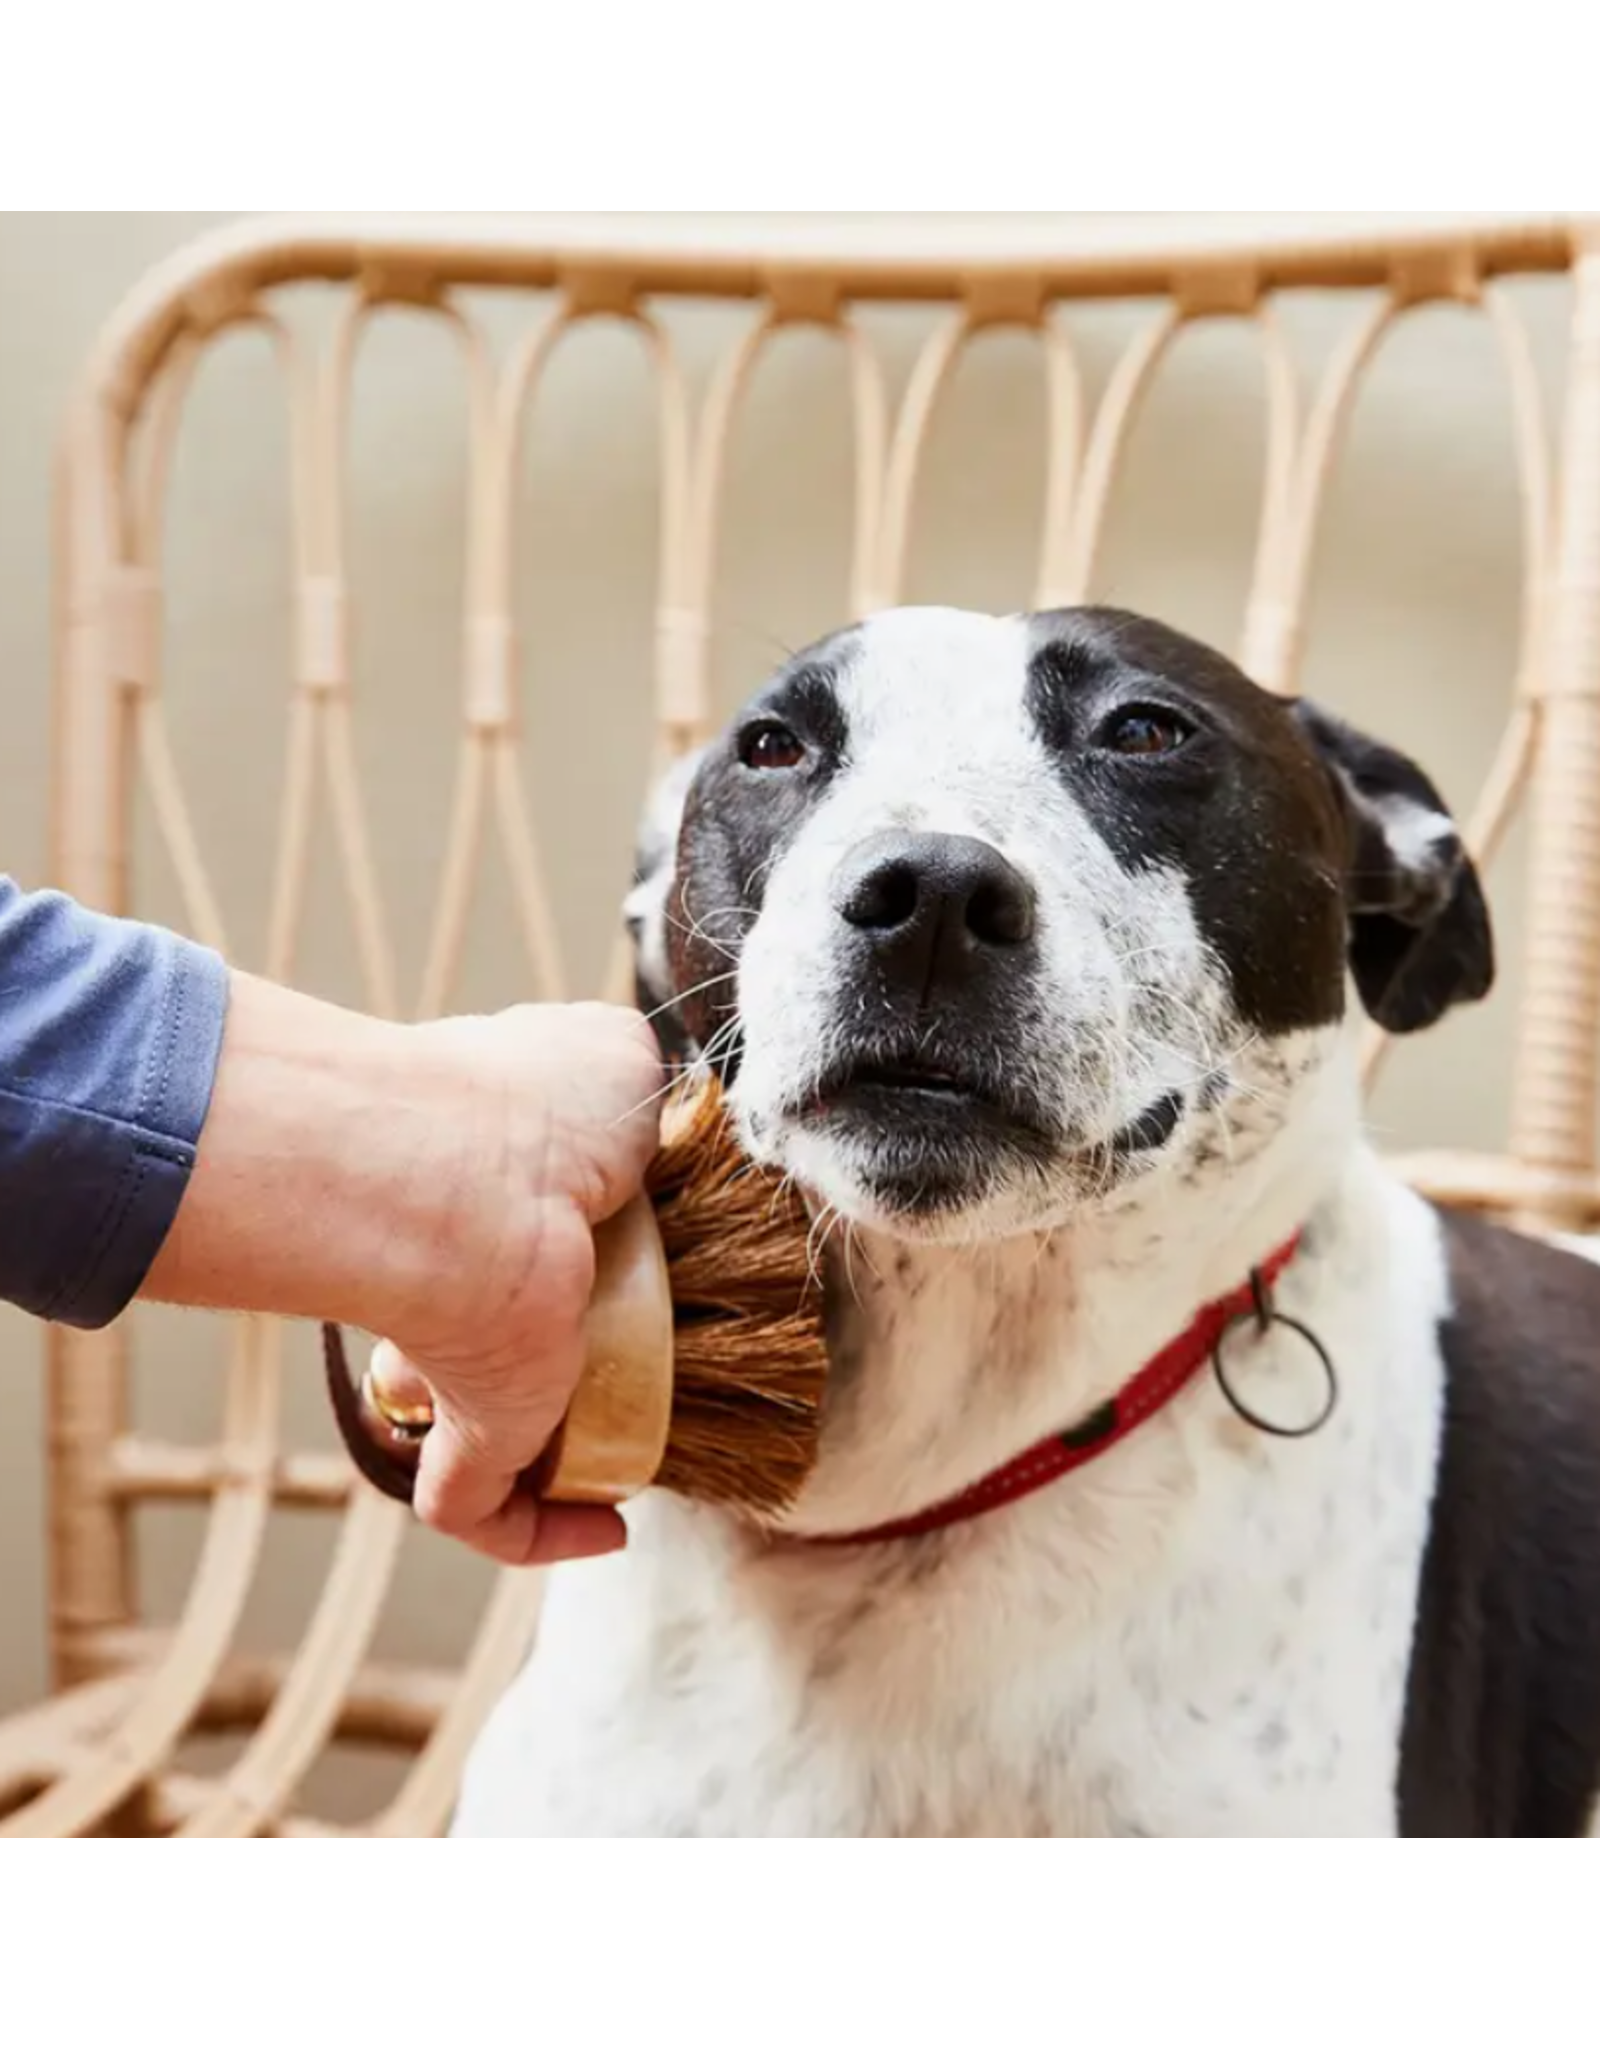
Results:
x,y
935,964
931,912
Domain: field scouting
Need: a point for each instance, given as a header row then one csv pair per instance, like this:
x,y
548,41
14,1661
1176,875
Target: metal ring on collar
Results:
x,y
1263,1315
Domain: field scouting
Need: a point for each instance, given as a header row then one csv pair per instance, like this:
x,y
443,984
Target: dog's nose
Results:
x,y
933,904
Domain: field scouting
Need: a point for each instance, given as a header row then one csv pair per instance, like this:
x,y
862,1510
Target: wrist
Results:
x,y
329,1168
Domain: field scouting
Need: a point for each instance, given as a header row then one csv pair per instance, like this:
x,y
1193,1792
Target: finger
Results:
x,y
461,1490
566,1532
523,1531
453,1480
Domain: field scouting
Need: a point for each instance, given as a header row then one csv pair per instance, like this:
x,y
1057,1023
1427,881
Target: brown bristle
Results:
x,y
750,1356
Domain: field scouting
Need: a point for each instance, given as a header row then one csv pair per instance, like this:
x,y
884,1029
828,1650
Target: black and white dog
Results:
x,y
1025,943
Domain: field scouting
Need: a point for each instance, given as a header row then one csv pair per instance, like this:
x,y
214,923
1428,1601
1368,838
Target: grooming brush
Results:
x,y
705,1353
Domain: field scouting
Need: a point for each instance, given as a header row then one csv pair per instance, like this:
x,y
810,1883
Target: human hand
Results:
x,y
559,1120
436,1184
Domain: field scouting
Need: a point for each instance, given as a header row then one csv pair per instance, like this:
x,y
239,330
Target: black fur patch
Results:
x,y
1151,1129
1502,1725
736,823
1420,936
1243,811
1273,815
673,1040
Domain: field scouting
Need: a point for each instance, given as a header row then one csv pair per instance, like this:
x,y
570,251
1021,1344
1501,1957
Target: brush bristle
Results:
x,y
750,1355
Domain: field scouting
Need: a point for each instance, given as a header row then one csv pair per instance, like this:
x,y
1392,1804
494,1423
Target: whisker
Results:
x,y
700,987
849,1265
711,981
852,1243
659,1095
824,1222
721,1042
690,931
695,929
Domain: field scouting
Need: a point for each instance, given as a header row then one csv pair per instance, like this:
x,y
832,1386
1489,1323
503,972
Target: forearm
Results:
x,y
173,1129
321,1186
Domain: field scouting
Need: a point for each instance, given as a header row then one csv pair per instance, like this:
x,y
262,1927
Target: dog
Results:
x,y
1036,949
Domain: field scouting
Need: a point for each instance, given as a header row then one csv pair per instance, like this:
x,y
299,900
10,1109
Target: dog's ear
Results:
x,y
1420,934
645,908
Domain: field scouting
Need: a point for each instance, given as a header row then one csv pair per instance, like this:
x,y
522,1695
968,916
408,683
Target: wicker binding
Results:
x,y
101,1755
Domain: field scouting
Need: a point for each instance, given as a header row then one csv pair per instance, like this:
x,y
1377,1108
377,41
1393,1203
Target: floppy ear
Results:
x,y
645,908
1420,936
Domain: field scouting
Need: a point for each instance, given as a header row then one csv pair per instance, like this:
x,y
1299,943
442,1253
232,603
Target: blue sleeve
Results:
x,y
110,1033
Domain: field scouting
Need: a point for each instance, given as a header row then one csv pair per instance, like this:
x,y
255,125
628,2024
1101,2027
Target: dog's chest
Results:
x,y
981,1715
1059,1678
1205,1632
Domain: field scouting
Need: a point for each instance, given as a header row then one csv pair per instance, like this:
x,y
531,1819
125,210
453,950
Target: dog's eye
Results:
x,y
769,745
1144,732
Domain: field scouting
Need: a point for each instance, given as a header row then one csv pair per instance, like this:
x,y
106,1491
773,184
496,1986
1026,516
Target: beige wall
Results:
x,y
1413,633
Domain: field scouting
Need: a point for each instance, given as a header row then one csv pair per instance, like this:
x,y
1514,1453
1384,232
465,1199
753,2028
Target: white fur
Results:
x,y
1419,837
1203,1632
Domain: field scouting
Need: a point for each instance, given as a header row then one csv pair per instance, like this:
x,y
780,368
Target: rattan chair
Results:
x,y
113,1749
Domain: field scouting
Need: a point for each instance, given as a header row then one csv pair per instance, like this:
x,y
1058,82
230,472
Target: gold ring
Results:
x,y
413,1421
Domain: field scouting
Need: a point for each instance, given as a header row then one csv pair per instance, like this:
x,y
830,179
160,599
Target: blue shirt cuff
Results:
x,y
110,1033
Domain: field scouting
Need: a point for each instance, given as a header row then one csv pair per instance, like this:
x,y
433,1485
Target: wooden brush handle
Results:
x,y
614,1436
615,1433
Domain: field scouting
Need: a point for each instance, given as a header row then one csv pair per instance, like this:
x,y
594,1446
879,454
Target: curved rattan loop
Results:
x,y
1261,638
1065,408
929,376
167,1703
1113,422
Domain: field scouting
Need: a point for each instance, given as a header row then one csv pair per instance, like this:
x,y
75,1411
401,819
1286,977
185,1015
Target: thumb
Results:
x,y
467,1486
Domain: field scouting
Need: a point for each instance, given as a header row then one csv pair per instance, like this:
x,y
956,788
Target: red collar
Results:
x,y
1150,1389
